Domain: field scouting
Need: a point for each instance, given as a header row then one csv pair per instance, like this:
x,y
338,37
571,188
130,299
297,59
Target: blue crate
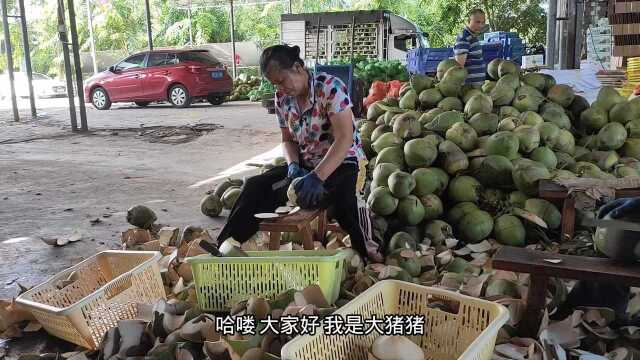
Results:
x,y
514,42
491,51
342,72
499,35
426,60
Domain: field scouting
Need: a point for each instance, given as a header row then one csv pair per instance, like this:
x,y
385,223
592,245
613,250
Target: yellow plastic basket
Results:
x,y
222,281
469,334
81,303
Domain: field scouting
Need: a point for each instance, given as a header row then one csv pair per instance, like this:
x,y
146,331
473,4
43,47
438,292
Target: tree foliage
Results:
x,y
121,24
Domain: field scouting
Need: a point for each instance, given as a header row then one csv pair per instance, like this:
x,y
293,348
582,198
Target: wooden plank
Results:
x,y
290,223
528,261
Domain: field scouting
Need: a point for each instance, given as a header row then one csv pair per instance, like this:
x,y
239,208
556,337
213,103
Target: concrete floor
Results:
x,y
54,182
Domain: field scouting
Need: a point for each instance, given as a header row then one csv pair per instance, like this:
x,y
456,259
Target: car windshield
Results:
x,y
37,76
199,56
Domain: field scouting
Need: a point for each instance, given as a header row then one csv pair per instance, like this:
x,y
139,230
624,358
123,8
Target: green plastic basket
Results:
x,y
222,281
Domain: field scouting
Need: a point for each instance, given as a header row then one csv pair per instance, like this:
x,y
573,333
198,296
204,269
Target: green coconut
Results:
x,y
631,148
401,241
517,199
463,135
622,171
211,205
456,74
565,142
528,138
508,124
381,129
410,210
230,197
455,160
561,94
503,143
429,116
420,153
578,105
545,156
421,82
484,123
508,67
487,86
458,211
594,119
605,160
558,174
475,226
509,80
502,95
492,68
433,208
495,171
438,231
506,111
449,88
508,230
451,103
401,184
536,80
444,66
444,121
550,81
429,181
558,117
531,118
225,185
479,103
394,155
469,93
407,125
549,132
633,128
623,112
526,175
382,172
382,202
409,100
374,111
464,189
612,136
434,139
580,150
608,97
386,140
429,98
545,210
526,102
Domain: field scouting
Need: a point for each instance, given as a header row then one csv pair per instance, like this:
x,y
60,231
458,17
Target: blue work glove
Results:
x,y
295,171
620,208
310,191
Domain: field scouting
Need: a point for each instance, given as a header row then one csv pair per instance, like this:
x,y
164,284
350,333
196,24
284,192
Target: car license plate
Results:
x,y
217,74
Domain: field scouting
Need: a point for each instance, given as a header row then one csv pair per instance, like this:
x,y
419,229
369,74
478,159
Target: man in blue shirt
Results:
x,y
468,51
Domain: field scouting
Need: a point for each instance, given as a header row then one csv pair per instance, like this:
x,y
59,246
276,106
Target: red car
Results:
x,y
178,76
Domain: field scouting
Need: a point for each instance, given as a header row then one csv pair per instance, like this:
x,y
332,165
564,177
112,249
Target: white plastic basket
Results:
x,y
104,289
468,335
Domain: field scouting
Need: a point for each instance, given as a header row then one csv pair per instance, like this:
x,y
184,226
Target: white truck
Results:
x,y
379,34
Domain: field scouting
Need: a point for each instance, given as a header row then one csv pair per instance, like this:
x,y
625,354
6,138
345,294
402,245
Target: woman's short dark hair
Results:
x,y
284,56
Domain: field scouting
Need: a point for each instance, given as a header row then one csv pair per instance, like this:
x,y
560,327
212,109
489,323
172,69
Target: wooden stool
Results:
x,y
549,190
533,262
297,222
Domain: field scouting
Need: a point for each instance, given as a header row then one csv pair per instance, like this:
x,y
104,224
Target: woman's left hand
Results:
x,y
309,190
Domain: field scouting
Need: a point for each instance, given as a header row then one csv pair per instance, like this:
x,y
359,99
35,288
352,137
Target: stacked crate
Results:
x,y
365,40
512,46
624,17
600,43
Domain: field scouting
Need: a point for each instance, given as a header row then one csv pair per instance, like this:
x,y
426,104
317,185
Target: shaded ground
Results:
x,y
54,182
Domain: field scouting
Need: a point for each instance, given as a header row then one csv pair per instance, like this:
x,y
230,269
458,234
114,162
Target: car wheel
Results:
x,y
142,103
100,99
215,100
179,96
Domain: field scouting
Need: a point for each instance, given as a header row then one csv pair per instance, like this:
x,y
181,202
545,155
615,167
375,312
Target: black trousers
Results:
x,y
258,197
